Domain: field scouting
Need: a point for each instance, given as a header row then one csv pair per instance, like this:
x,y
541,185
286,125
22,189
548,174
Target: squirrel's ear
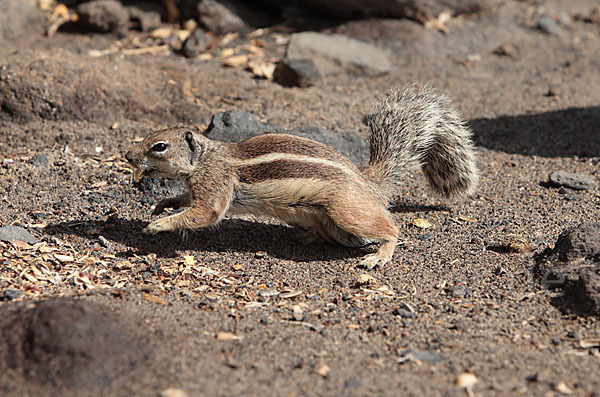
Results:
x,y
189,138
193,145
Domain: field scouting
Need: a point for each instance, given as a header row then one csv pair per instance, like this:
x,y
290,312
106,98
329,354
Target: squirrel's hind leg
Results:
x,y
362,223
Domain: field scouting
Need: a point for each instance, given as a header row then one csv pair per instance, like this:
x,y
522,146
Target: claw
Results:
x,y
370,261
153,227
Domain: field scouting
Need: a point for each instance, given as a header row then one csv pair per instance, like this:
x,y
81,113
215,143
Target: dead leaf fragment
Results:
x,y
151,298
323,370
173,392
236,61
189,260
21,245
588,343
63,258
162,33
226,336
262,69
466,380
439,23
227,52
290,294
562,388
467,219
421,223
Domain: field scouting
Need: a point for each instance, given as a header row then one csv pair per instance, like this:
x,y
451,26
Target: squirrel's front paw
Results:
x,y
155,227
372,260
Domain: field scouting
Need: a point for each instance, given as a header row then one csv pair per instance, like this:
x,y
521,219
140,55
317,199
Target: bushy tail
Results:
x,y
417,127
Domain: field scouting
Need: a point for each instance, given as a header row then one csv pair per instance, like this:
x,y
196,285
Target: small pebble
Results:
x,y
548,25
506,50
425,236
403,313
297,313
39,160
351,383
11,294
461,325
104,242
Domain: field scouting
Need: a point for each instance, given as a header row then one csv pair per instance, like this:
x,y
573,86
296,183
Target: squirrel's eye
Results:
x,y
159,147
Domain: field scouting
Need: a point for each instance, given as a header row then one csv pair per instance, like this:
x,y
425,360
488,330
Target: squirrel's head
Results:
x,y
169,153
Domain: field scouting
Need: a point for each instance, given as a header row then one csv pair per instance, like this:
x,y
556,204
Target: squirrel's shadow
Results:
x,y
231,235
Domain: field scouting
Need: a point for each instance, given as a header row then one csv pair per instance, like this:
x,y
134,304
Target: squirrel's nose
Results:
x,y
129,157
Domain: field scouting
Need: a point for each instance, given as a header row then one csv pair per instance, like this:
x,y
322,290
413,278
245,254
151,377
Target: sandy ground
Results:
x,y
453,299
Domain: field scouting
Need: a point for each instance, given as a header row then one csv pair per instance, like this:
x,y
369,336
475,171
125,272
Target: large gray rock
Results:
x,y
334,53
225,16
237,125
103,15
19,20
572,269
421,10
571,180
9,233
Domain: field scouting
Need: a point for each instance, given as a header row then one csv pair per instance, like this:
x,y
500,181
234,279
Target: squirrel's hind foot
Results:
x,y
372,260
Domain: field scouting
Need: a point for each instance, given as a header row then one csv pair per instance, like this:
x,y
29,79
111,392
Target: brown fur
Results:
x,y
285,169
307,184
283,143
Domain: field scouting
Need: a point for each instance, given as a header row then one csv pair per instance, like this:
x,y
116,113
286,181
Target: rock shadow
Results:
x,y
563,133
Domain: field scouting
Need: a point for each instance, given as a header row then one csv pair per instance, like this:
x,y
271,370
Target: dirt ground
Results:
x,y
244,308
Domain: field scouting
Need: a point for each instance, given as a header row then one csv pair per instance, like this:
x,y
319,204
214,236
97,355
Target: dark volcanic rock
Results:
x,y
347,143
296,73
9,233
582,242
195,44
225,16
146,15
19,20
65,343
103,15
219,17
237,125
573,268
571,180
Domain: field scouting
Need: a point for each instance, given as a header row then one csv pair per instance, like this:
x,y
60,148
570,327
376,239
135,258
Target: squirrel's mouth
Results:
x,y
137,174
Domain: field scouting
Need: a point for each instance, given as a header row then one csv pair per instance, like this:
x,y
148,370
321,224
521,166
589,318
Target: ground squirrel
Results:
x,y
307,184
